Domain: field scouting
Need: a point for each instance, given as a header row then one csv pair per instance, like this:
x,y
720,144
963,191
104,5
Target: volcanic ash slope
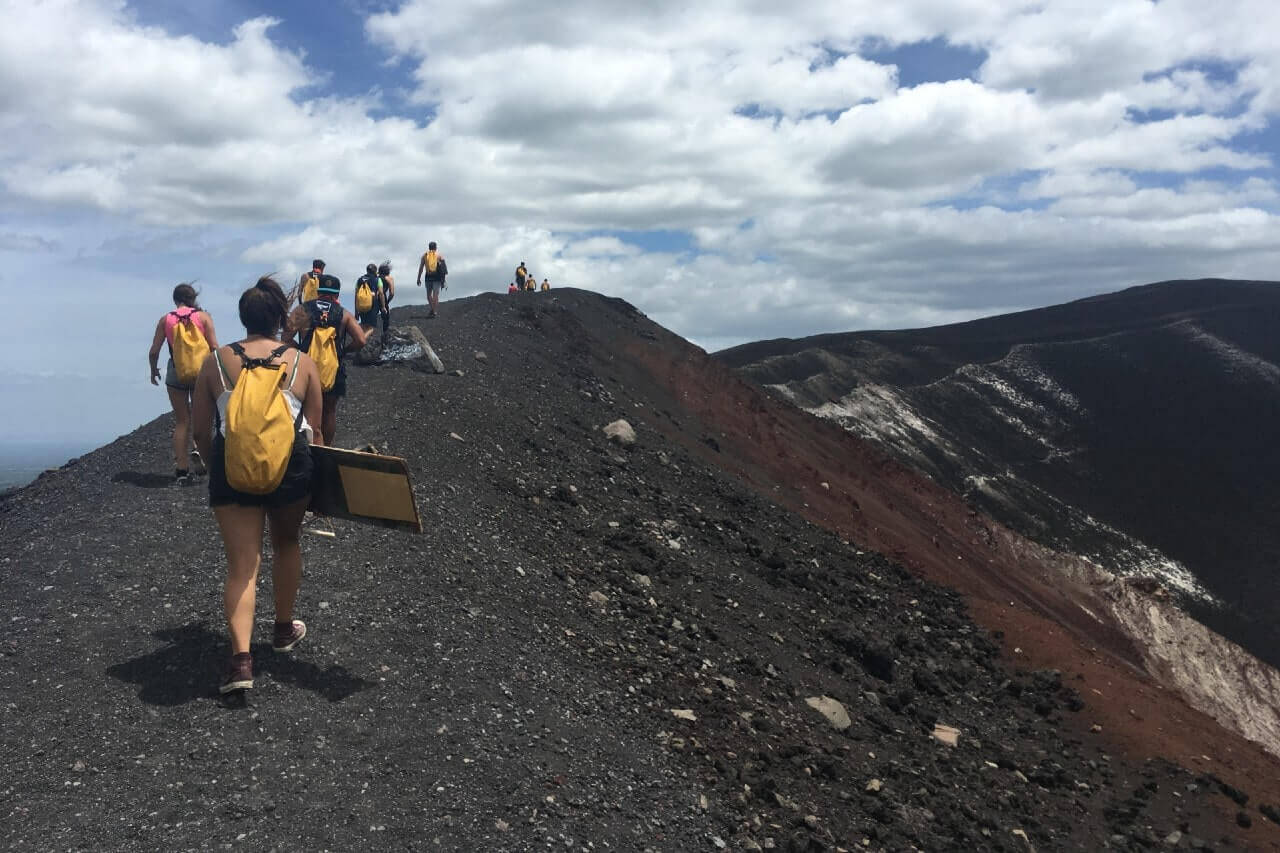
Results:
x,y
593,646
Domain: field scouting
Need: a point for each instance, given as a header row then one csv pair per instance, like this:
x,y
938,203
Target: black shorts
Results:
x,y
295,486
339,388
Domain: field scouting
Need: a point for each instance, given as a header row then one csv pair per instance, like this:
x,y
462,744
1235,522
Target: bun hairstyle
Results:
x,y
185,295
264,308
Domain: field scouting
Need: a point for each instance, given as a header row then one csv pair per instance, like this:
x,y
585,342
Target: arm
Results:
x,y
422,265
204,399
313,398
299,322
209,334
443,269
391,287
356,338
154,354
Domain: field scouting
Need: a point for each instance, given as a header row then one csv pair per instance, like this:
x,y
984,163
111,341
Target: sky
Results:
x,y
736,170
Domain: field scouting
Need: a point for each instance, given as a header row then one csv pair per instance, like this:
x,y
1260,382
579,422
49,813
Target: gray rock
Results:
x,y
402,344
835,713
621,433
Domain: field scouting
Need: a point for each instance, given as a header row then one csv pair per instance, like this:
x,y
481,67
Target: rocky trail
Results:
x,y
594,646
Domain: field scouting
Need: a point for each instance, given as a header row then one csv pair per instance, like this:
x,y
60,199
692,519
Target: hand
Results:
x,y
155,376
419,282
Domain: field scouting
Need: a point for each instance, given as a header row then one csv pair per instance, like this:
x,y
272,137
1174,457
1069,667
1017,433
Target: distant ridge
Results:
x,y
1137,428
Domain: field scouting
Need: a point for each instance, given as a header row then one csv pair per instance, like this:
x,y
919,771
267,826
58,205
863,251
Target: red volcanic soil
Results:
x,y
873,500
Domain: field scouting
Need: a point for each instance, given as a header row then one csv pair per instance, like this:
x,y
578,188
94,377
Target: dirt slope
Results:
x,y
506,681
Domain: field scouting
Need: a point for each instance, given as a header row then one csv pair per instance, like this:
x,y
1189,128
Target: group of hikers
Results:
x,y
524,281
246,414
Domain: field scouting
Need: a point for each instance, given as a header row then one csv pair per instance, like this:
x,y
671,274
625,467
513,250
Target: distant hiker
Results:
x,y
188,329
530,283
521,274
436,270
511,288
326,332
368,298
388,293
546,285
309,284
253,408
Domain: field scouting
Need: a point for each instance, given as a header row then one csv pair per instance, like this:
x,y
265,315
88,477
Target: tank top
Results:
x,y
176,316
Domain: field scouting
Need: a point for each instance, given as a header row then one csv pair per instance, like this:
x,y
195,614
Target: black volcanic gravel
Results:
x,y
506,681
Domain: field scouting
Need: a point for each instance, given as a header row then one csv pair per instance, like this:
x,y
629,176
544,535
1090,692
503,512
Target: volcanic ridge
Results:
x,y
729,634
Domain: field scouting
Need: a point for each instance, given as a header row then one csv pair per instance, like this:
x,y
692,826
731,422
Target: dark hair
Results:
x,y
317,264
430,245
185,295
371,268
384,268
263,308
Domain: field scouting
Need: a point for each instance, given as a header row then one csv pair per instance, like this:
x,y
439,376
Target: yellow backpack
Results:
x,y
310,286
433,261
323,347
189,347
259,430
364,297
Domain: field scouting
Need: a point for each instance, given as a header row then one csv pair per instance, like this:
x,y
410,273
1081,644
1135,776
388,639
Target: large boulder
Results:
x,y
401,344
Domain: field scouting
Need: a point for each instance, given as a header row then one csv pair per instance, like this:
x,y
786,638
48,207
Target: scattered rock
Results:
x,y
874,786
620,432
480,356
946,734
684,714
833,710
456,437
599,599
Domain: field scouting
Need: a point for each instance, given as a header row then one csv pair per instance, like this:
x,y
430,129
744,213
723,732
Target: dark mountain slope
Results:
x,y
1135,428
507,680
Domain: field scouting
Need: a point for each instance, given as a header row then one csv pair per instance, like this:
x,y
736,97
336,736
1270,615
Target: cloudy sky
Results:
x,y
737,170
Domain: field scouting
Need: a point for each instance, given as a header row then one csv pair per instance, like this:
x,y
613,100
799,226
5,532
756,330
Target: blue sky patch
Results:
x,y
933,61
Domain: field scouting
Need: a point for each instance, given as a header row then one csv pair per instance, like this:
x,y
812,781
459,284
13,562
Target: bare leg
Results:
x,y
329,420
241,528
285,524
434,298
181,402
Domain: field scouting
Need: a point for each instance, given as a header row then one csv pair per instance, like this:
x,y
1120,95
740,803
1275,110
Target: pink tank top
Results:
x,y
174,317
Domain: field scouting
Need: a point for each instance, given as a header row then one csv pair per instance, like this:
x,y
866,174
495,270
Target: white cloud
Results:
x,y
818,193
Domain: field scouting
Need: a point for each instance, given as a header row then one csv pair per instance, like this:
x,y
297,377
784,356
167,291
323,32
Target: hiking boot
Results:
x,y
287,635
197,463
239,674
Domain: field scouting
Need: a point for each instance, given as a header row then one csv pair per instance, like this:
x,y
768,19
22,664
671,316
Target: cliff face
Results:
x,y
592,644
1135,429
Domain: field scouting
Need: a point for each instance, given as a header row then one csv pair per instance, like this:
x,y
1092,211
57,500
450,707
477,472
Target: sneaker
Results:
x,y
182,478
431,316
239,674
197,463
287,635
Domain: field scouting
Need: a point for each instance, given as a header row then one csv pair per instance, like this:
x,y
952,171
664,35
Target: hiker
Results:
x,y
368,298
521,274
546,285
530,283
511,288
388,293
436,269
309,283
188,329
327,348
250,396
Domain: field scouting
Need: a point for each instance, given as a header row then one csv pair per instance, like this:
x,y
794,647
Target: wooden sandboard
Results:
x,y
366,487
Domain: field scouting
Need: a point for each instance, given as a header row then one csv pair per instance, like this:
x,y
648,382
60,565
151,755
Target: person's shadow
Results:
x,y
188,667
143,480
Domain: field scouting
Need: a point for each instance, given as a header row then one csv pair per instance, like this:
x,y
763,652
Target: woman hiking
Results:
x,y
289,373
196,338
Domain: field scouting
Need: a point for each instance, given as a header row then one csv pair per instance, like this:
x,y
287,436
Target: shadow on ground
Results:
x,y
187,667
143,480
